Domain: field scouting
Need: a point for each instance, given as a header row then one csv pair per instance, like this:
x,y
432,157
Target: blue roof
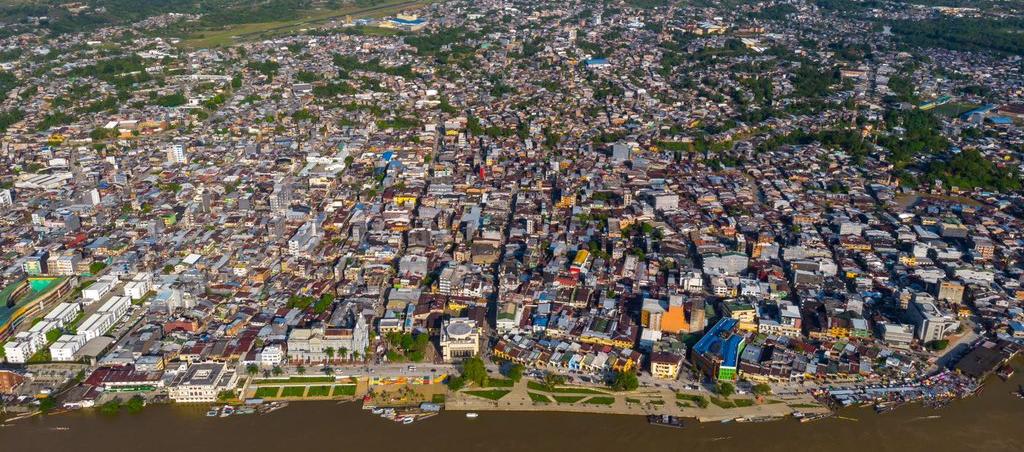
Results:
x,y
407,22
727,347
597,61
1000,120
984,109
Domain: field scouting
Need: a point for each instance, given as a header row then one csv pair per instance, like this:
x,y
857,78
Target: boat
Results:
x,y
408,420
816,416
227,411
377,411
60,429
472,415
665,421
1005,372
212,413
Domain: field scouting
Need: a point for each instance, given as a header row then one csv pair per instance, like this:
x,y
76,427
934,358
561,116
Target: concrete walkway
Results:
x,y
652,401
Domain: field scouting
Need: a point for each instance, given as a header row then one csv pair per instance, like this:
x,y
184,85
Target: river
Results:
x,y
992,421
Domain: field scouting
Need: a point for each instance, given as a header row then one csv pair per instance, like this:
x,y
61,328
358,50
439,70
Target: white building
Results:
x,y
64,313
96,325
271,355
20,348
176,154
100,288
202,382
460,339
66,347
118,306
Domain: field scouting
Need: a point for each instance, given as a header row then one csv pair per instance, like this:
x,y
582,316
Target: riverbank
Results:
x,y
532,397
988,422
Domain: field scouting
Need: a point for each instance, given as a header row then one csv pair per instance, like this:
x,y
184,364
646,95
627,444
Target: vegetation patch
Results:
x,y
539,397
344,390
319,391
568,399
293,391
600,400
723,403
492,394
500,383
268,391
700,401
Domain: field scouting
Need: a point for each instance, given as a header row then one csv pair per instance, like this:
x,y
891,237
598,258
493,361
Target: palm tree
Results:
x,y
301,369
252,369
342,352
329,351
277,371
355,356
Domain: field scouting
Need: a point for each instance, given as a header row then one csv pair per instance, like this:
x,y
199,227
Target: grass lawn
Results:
x,y
600,400
657,402
344,390
568,399
299,379
319,391
237,32
267,391
684,405
952,109
537,386
723,403
803,405
500,383
293,391
743,402
437,398
492,394
539,397
632,400
701,401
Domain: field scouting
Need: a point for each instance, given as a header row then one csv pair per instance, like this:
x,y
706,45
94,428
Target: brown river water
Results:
x,y
992,421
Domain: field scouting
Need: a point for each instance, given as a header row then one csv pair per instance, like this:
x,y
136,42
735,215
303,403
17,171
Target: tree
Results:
x,y
762,389
938,345
252,369
473,369
301,369
277,371
551,380
456,383
329,351
625,381
135,404
515,372
111,408
726,389
47,404
342,352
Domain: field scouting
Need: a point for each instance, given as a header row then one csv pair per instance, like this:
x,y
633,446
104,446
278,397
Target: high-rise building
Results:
x,y
176,154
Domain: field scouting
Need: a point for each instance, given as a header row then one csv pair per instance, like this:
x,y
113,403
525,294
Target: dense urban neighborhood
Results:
x,y
720,210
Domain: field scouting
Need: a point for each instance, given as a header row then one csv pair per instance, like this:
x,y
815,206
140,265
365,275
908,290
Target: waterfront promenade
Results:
x,y
526,396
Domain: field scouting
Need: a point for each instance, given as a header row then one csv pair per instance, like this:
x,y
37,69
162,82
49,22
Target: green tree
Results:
x,y
300,369
551,380
726,389
762,389
135,404
329,351
625,381
474,370
47,404
515,372
252,370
